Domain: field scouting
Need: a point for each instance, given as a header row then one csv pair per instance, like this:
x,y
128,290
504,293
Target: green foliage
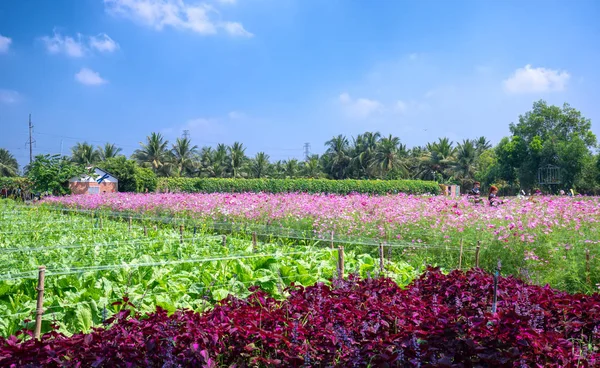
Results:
x,y
546,135
215,185
13,183
51,173
145,180
8,164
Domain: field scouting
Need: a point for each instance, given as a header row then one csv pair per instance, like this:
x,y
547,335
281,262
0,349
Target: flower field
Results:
x,y
553,240
438,320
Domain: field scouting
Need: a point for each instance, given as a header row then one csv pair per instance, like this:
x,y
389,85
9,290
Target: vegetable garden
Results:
x,y
253,279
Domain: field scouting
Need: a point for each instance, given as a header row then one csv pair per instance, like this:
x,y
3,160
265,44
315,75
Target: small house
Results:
x,y
98,182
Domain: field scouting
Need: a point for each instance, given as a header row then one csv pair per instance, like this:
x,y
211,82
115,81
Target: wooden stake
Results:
x,y
254,241
341,262
181,233
477,255
381,260
145,231
130,221
460,255
224,240
331,241
587,267
40,303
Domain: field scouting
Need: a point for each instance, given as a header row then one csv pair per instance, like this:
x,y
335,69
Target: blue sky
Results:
x,y
275,74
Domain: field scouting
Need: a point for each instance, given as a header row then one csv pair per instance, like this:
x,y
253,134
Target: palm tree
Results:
x,y
278,169
291,168
464,166
220,160
84,154
206,162
389,156
237,157
8,163
362,153
260,165
312,167
108,151
154,153
482,144
184,156
437,159
338,156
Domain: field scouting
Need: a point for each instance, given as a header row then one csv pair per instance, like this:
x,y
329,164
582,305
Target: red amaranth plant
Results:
x,y
439,320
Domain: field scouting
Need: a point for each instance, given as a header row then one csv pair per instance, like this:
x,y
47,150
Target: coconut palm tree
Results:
x,y
482,144
184,156
220,160
84,154
437,159
291,168
260,165
338,159
389,156
8,163
108,151
362,153
312,167
154,153
465,164
237,158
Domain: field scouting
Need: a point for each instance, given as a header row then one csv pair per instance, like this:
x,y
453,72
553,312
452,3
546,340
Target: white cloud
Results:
x,y
4,43
413,56
9,97
528,80
236,29
178,14
89,77
401,106
103,43
228,2
359,108
79,45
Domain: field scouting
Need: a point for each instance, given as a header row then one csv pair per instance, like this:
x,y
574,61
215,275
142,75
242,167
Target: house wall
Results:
x,y
78,187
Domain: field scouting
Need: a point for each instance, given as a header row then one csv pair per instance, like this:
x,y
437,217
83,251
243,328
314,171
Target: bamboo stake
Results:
x,y
145,231
181,233
477,255
224,240
130,221
254,241
100,222
587,267
40,302
331,241
460,255
381,260
341,262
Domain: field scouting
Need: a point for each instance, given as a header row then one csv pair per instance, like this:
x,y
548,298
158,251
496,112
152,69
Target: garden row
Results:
x,y
439,320
92,262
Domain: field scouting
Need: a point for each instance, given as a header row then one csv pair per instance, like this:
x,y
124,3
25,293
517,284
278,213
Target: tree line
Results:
x,y
545,135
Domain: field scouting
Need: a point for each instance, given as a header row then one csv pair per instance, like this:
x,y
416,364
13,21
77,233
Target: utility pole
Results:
x,y
31,141
306,150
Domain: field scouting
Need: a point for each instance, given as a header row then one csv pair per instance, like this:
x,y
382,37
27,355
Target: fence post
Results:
x,y
587,267
254,241
224,240
460,255
381,260
40,303
477,255
341,262
181,233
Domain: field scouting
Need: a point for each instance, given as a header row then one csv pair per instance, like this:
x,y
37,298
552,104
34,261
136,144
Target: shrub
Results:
x,y
218,185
